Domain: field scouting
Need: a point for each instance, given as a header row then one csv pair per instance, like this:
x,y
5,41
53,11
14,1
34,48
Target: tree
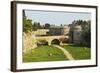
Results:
x,y
86,33
27,23
61,25
36,25
47,26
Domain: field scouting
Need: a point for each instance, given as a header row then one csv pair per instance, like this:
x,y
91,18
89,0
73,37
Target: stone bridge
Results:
x,y
49,39
31,41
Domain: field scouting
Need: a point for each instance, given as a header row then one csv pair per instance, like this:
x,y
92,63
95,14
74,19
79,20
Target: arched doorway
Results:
x,y
55,41
42,42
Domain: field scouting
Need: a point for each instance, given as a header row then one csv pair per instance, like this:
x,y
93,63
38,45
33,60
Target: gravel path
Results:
x,y
66,53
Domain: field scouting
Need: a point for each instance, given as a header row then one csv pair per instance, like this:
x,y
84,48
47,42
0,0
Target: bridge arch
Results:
x,y
55,41
42,42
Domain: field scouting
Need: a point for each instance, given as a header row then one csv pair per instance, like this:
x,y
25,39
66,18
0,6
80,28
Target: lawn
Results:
x,y
78,52
44,53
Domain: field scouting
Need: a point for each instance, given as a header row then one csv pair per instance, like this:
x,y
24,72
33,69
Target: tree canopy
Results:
x,y
27,23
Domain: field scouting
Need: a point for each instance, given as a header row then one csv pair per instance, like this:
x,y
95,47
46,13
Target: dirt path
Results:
x,y
66,53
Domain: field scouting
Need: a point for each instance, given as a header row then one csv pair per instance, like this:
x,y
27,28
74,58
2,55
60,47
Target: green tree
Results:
x,y
27,23
86,33
47,25
36,25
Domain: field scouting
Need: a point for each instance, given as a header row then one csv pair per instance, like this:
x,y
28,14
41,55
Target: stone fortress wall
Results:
x,y
30,39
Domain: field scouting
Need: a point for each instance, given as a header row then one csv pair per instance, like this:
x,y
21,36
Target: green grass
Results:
x,y
79,52
42,53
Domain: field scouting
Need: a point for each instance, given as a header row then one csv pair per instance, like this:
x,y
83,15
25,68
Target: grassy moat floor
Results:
x,y
44,53
78,52
50,53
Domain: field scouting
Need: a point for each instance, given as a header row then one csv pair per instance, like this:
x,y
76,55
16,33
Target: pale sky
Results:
x,y
56,18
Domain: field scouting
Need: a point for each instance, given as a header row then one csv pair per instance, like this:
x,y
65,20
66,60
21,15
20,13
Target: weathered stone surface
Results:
x,y
28,42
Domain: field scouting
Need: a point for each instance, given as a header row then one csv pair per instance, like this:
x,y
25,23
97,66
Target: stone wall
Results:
x,y
77,34
41,31
28,42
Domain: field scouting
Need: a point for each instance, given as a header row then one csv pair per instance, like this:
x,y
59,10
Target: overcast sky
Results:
x,y
56,18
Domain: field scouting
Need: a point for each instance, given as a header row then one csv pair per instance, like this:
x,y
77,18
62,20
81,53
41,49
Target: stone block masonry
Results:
x,y
28,42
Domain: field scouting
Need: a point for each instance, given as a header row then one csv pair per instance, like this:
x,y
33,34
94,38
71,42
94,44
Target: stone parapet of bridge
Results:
x,y
49,39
